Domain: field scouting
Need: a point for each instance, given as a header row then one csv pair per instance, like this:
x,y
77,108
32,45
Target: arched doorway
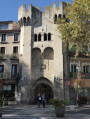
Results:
x,y
41,86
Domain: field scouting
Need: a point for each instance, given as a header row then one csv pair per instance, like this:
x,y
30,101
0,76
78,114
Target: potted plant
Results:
x,y
59,107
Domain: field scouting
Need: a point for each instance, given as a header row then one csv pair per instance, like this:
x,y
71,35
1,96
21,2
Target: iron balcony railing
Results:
x,y
79,75
14,56
2,56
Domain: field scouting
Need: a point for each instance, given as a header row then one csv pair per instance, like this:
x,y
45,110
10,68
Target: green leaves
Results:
x,y
77,30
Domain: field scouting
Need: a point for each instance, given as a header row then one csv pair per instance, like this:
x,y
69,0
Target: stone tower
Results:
x,y
41,52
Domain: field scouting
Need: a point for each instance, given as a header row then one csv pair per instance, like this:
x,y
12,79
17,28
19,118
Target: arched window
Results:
x,y
24,20
64,16
59,16
36,57
55,18
48,53
35,37
28,19
49,36
45,37
39,37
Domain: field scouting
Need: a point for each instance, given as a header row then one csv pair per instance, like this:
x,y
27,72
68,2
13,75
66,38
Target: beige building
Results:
x,y
33,58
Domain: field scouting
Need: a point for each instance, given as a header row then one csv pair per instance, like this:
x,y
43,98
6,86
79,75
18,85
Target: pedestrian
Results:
x,y
3,101
39,100
43,99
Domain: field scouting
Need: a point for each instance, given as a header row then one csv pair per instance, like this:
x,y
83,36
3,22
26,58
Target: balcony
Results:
x,y
1,75
14,75
81,75
4,75
15,56
2,56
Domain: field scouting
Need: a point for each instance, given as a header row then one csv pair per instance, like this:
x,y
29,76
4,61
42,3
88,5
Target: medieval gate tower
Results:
x,y
41,52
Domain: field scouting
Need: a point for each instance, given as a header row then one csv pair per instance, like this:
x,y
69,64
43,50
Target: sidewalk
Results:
x,y
33,112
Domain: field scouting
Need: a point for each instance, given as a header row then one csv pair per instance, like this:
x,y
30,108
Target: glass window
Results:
x,y
86,68
1,70
3,50
3,37
74,68
16,37
15,49
3,27
14,70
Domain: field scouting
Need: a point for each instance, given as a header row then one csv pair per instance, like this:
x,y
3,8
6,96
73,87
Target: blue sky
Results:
x,y
9,8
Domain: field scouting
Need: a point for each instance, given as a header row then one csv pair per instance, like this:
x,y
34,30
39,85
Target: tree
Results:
x,y
75,28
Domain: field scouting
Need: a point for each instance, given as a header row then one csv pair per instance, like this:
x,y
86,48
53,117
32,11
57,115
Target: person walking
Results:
x,y
43,99
39,100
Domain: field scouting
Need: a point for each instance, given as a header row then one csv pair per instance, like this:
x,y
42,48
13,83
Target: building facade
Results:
x,y
33,58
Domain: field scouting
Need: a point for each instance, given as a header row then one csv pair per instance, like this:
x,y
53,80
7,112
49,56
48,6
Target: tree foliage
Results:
x,y
75,28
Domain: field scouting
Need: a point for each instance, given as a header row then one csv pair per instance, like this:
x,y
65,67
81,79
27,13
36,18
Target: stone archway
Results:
x,y
43,85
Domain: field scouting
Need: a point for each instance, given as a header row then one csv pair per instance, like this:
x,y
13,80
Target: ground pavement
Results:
x,y
33,112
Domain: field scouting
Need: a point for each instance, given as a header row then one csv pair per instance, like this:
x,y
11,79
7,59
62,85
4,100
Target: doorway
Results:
x,y
43,88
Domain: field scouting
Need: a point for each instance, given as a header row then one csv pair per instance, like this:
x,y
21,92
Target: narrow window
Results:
x,y
49,36
39,37
35,37
15,49
59,16
1,70
16,37
24,20
14,70
3,37
74,68
45,37
28,19
55,18
64,16
3,50
86,68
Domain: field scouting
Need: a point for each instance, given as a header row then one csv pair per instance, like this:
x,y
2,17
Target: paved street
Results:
x,y
33,112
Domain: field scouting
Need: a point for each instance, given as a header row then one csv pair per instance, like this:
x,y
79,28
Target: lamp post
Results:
x,y
78,76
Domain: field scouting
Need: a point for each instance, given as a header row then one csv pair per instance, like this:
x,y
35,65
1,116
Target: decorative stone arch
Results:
x,y
49,53
36,56
42,80
43,85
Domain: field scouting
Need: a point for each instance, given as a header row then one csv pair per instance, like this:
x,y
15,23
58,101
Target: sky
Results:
x,y
9,8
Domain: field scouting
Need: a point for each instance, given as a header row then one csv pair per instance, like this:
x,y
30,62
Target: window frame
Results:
x,y
85,64
17,50
14,37
2,37
76,66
